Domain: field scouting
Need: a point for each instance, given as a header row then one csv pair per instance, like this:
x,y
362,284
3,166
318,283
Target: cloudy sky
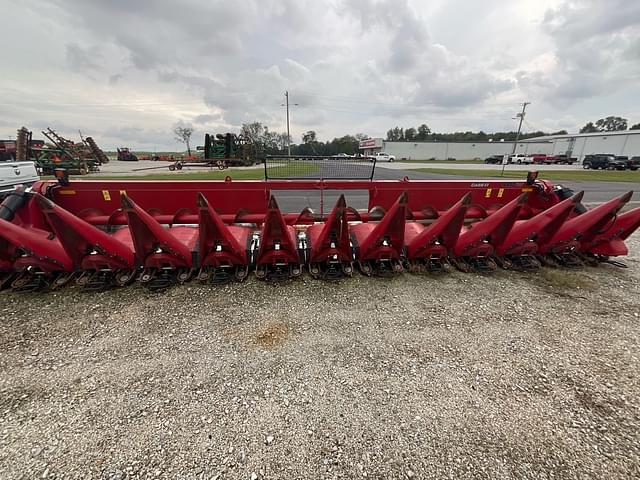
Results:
x,y
127,71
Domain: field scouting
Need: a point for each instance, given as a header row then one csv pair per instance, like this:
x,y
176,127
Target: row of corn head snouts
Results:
x,y
68,248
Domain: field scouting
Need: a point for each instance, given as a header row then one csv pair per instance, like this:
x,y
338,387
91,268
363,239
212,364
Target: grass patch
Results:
x,y
587,175
252,174
566,279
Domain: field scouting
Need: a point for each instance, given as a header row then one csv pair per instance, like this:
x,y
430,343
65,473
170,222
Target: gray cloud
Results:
x,y
131,70
80,58
594,47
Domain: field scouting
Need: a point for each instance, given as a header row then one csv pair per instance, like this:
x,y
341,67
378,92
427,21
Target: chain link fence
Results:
x,y
318,167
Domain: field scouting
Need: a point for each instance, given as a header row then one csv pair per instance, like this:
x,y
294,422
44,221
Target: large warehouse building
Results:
x,y
578,145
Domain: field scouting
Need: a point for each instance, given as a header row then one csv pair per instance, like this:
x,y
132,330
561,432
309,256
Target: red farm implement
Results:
x,y
110,233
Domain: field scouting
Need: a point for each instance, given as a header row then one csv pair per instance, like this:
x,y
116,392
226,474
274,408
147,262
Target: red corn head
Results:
x,y
36,255
380,246
610,243
165,255
278,256
585,228
34,248
103,259
222,248
329,243
89,247
526,235
428,246
477,244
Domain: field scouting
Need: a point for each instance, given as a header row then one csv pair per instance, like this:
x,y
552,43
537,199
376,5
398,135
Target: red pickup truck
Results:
x,y
562,158
553,159
539,158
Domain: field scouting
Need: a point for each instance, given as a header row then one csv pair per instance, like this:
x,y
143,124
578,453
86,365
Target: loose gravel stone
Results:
x,y
508,375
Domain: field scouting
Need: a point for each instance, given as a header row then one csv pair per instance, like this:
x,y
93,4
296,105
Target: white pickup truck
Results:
x,y
384,157
520,159
14,174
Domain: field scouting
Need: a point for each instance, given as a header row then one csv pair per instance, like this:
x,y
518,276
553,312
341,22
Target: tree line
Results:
x,y
424,133
608,124
275,143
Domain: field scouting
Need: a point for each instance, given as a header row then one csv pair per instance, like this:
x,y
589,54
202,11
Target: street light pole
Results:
x,y
286,104
515,144
286,96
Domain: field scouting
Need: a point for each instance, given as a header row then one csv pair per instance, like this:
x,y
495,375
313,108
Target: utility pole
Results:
x,y
286,98
515,144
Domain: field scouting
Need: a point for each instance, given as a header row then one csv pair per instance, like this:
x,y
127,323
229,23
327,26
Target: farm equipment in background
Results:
x,y
96,151
234,150
219,151
7,150
18,149
125,155
104,233
77,158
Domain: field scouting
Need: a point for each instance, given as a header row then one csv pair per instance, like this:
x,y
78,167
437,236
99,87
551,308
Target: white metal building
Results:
x,y
617,143
626,142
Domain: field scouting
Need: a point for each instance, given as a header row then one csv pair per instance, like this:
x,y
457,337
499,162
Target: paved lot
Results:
x,y
146,166
596,192
459,376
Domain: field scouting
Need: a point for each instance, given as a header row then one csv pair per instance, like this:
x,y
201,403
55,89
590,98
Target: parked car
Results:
x,y
494,159
384,157
540,159
604,162
520,158
633,163
618,163
563,158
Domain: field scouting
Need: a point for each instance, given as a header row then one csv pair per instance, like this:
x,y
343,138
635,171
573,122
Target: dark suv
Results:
x,y
493,159
633,163
605,162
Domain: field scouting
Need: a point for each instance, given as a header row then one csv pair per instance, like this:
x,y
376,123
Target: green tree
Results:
x,y
183,135
254,132
309,137
611,124
423,132
394,135
589,128
410,134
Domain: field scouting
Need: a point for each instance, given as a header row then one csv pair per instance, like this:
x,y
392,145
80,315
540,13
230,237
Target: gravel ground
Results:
x,y
458,376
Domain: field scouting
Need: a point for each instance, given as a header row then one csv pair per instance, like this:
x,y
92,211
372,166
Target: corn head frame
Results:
x,y
105,233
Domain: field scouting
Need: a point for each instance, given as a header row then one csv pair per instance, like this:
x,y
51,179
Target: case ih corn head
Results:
x,y
110,233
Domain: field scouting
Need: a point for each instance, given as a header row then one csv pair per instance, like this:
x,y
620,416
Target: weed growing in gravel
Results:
x,y
566,280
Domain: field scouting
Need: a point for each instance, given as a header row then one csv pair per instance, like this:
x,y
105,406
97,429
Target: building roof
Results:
x,y
578,135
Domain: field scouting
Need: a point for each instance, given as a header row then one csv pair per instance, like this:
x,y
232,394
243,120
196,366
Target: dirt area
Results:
x,y
456,376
